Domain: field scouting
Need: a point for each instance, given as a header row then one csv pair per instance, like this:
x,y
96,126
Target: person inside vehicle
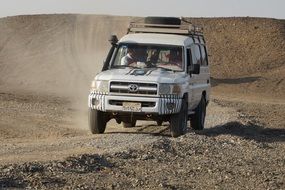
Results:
x,y
129,58
154,56
133,57
175,57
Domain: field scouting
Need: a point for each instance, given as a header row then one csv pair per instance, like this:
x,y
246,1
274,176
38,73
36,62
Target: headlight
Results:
x,y
164,89
100,86
169,89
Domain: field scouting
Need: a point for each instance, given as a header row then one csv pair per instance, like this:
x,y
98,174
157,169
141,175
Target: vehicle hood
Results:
x,y
156,75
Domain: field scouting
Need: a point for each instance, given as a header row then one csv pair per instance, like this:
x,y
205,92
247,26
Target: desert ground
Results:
x,y
46,65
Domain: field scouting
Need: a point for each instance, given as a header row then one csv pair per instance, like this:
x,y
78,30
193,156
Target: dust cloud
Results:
x,y
56,55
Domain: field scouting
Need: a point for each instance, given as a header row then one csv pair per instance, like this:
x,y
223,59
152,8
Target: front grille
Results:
x,y
120,103
143,88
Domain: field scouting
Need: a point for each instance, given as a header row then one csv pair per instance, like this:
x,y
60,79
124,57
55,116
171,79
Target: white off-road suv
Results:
x,y
158,71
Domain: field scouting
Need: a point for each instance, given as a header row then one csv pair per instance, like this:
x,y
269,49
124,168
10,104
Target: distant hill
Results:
x,y
61,53
247,55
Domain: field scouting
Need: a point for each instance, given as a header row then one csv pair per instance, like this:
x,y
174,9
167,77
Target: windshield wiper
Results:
x,y
165,69
123,66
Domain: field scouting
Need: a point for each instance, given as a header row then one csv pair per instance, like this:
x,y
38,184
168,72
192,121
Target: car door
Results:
x,y
197,80
190,82
204,71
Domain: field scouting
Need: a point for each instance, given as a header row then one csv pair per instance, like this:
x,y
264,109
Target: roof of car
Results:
x,y
152,38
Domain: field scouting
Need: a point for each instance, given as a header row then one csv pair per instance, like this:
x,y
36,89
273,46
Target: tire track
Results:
x,y
59,145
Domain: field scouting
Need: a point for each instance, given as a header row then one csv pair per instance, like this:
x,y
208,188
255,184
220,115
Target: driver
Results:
x,y
129,58
134,55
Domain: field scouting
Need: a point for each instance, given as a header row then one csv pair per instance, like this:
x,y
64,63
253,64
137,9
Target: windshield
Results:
x,y
149,56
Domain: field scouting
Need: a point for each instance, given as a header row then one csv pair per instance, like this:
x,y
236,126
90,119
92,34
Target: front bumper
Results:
x,y
162,105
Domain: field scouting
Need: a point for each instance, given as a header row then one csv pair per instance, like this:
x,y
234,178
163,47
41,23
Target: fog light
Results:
x,y
170,106
95,102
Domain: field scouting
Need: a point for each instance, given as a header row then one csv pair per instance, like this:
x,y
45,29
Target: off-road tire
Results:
x,y
178,122
197,120
97,121
162,20
129,124
159,122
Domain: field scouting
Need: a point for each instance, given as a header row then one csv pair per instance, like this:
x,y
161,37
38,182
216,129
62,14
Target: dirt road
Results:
x,y
44,145
45,128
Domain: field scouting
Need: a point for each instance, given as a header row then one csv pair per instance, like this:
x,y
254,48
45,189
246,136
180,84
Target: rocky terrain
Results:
x,y
46,65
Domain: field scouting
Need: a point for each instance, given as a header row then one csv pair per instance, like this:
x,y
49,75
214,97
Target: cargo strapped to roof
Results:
x,y
188,29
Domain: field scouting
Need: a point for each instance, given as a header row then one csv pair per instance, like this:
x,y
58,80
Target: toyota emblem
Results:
x,y
133,88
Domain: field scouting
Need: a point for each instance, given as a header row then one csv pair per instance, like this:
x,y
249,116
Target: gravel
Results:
x,y
229,154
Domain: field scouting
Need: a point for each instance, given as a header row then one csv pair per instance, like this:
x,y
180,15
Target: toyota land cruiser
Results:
x,y
158,71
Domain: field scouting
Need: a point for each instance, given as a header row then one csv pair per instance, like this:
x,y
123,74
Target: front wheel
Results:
x,y
198,119
159,122
97,121
178,122
130,124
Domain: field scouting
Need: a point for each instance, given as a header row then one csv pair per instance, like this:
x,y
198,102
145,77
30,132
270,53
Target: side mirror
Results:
x,y
113,40
196,69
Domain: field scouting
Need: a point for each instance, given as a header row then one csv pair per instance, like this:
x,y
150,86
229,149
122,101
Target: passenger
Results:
x,y
175,58
129,58
154,57
134,56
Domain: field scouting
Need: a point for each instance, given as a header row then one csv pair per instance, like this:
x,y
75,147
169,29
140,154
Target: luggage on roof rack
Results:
x,y
166,25
162,20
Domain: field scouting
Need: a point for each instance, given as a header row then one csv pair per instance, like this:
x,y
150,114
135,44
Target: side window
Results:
x,y
196,56
206,55
189,57
203,55
193,57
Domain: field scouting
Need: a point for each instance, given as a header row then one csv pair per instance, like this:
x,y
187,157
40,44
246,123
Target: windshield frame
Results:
x,y
112,62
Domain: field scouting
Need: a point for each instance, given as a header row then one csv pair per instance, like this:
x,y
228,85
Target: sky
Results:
x,y
185,8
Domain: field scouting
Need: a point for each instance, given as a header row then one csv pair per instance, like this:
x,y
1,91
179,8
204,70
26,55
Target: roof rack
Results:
x,y
183,29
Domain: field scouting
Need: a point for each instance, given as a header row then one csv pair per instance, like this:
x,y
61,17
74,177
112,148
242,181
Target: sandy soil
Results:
x,y
46,65
42,129
43,147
